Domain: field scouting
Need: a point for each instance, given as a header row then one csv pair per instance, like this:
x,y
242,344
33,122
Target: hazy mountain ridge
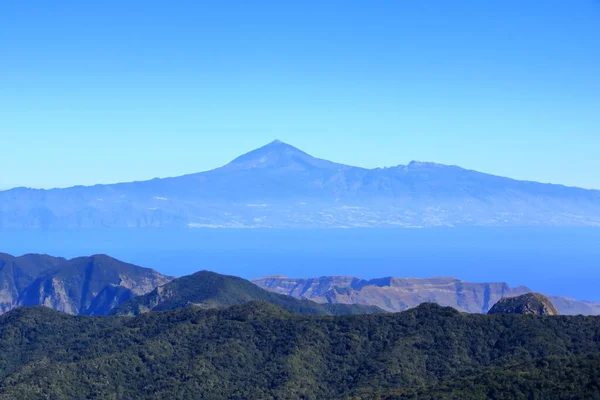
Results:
x,y
399,294
85,285
281,186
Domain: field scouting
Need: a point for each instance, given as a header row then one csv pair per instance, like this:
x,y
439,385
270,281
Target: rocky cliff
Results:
x,y
399,294
85,285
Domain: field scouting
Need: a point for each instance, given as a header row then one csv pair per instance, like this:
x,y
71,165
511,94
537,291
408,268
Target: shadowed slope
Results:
x,y
85,285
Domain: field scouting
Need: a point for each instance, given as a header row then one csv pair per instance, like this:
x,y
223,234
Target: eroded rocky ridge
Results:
x,y
85,285
399,294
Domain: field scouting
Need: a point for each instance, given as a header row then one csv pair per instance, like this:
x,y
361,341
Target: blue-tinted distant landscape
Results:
x,y
277,210
281,186
300,200
561,261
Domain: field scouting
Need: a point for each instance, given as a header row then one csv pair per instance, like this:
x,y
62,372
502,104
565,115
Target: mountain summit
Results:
x,y
280,186
278,154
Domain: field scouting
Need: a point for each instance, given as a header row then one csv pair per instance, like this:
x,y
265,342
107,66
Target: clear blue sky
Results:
x,y
108,91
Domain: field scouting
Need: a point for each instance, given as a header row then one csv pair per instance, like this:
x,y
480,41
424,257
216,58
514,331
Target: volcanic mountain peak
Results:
x,y
278,154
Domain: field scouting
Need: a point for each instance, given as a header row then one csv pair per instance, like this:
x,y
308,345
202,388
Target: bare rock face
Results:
x,y
530,303
399,294
394,294
85,285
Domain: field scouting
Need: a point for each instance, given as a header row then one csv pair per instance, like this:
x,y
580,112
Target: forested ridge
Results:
x,y
206,289
260,351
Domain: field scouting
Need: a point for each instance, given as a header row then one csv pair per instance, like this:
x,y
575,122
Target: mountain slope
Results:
x,y
207,289
399,294
259,351
86,285
279,185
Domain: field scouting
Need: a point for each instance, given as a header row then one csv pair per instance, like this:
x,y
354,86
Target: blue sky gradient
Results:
x,y
101,92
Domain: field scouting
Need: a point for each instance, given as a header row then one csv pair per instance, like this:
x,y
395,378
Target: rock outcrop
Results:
x,y
529,303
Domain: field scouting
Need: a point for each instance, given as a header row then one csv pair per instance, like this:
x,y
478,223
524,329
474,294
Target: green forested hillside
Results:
x,y
260,351
573,377
206,289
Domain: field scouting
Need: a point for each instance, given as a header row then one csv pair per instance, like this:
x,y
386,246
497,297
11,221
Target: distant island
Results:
x,y
280,186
